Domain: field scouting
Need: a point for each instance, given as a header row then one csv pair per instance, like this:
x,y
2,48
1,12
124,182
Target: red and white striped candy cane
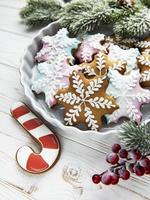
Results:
x,y
27,159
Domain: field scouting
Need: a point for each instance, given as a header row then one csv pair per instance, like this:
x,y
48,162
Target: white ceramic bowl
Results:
x,y
40,106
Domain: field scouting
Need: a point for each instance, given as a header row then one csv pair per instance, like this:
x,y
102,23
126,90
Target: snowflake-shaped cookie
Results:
x,y
128,55
101,64
90,46
85,101
144,65
128,94
53,76
59,44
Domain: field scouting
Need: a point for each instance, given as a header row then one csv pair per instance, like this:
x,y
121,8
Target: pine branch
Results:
x,y
135,25
40,12
87,20
136,136
146,3
86,16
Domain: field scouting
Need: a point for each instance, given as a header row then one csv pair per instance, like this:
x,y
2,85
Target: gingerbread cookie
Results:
x,y
86,101
52,77
91,45
128,94
59,44
101,64
144,45
128,55
144,65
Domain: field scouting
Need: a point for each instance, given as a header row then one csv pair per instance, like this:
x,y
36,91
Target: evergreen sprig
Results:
x,y
135,25
136,136
146,3
86,16
88,20
41,12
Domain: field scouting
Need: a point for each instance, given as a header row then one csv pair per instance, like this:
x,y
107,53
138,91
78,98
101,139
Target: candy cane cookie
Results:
x,y
26,157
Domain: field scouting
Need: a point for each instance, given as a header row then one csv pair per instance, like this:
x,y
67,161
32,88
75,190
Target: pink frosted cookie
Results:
x,y
90,46
128,94
51,77
59,44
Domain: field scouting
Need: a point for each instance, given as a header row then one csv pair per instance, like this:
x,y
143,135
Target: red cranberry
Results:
x,y
116,148
124,174
147,170
112,158
139,170
115,178
96,178
106,178
123,153
135,154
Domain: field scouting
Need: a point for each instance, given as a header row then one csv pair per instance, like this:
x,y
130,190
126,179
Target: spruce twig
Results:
x,y
146,3
87,20
40,12
86,16
136,136
135,25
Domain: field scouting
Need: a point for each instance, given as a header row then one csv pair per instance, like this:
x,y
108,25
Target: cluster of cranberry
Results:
x,y
123,162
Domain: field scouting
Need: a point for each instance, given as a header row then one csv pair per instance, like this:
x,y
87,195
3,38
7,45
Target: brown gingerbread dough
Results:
x,y
86,101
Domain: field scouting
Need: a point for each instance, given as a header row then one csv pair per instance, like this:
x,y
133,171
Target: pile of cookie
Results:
x,y
94,77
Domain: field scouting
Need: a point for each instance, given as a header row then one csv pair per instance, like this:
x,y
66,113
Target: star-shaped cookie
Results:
x,y
101,64
126,55
52,77
144,65
90,45
59,44
128,94
85,101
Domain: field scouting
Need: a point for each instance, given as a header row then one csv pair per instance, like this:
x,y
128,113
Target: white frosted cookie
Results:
x,y
51,77
126,55
59,44
129,95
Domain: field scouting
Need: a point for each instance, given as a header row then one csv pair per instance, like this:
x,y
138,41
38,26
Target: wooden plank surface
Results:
x,y
56,184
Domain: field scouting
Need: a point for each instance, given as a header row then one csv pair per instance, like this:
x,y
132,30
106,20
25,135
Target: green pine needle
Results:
x,y
82,20
135,25
40,12
136,136
146,3
86,16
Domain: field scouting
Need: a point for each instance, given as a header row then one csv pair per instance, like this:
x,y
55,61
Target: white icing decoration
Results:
x,y
128,94
145,76
100,61
88,70
129,56
91,45
52,77
143,44
59,44
85,100
90,119
144,60
118,66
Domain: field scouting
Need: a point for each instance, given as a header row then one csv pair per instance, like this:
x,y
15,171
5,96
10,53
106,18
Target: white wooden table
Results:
x,y
77,159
